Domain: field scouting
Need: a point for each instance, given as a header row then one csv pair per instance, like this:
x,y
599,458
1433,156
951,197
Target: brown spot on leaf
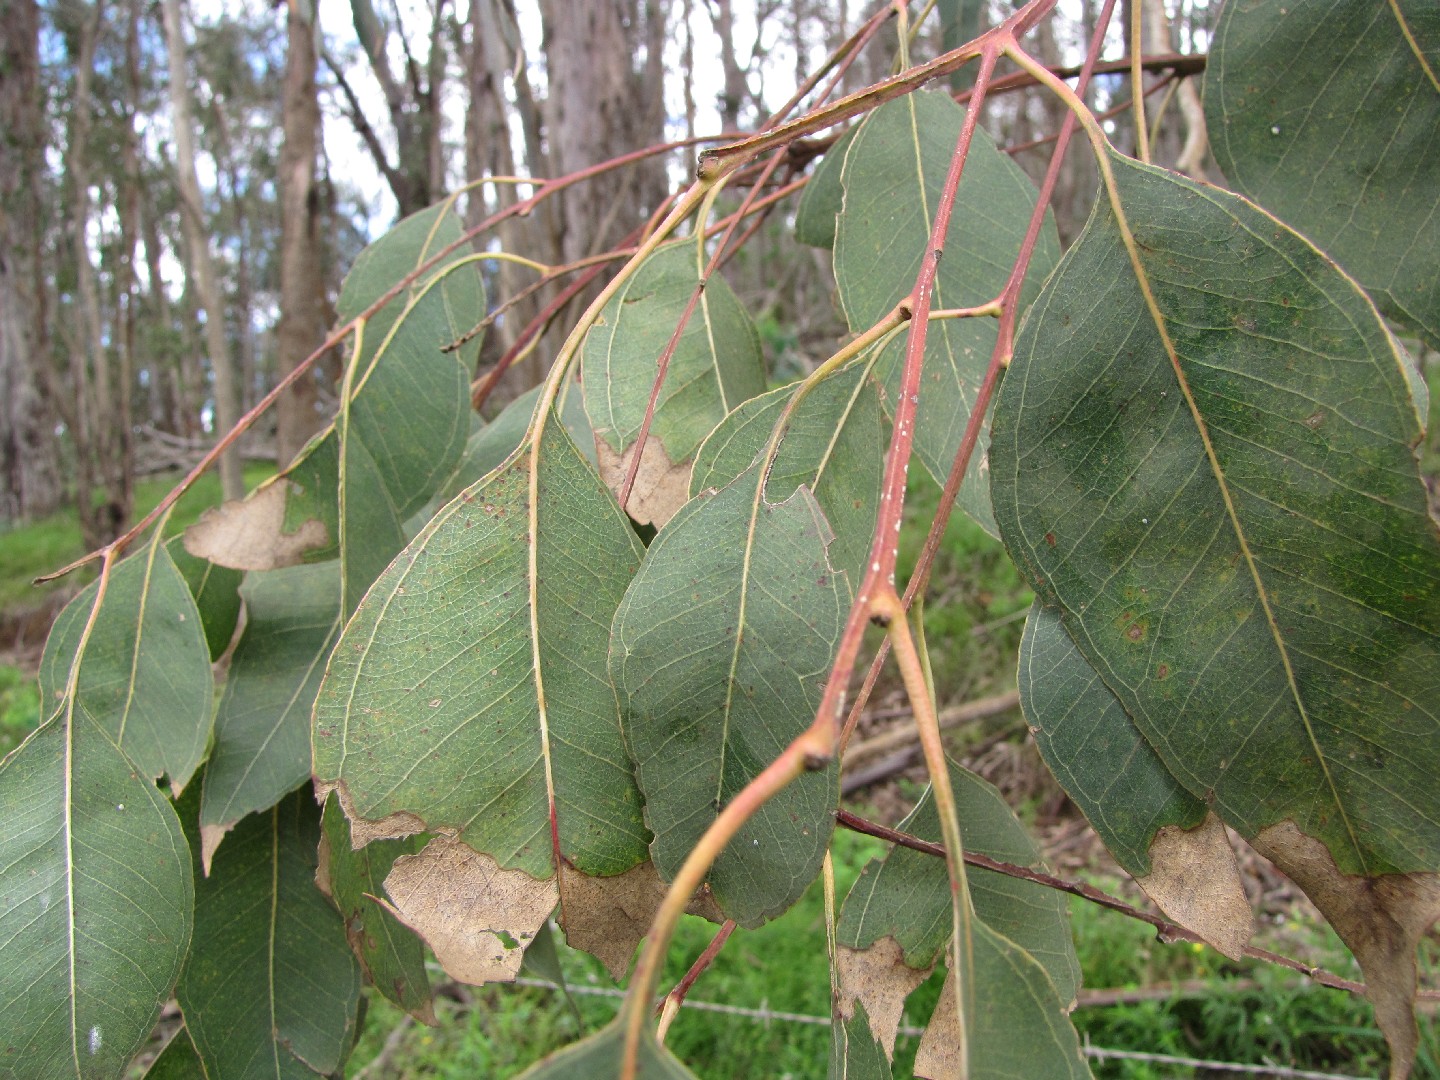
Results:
x,y
476,916
1380,918
1195,881
248,534
940,1051
879,979
661,486
210,837
607,917
1050,538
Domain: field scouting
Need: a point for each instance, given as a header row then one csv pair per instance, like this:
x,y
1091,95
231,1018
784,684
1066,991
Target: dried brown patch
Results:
x,y
661,487
940,1054
607,917
363,831
1196,882
1381,919
249,534
475,915
879,979
210,837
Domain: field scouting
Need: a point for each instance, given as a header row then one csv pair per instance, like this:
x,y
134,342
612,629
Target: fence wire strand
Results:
x,y
764,1014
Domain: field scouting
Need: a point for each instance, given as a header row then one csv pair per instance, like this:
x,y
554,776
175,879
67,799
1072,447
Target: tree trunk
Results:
x,y
601,105
29,475
192,217
90,411
302,281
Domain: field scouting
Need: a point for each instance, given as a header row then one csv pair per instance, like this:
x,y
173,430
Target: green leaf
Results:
x,y
391,956
820,202
893,177
469,693
95,903
1017,1026
717,364
178,1061
216,590
833,445
397,438
262,728
907,896
719,651
1256,577
271,987
1328,114
1095,751
855,1053
960,21
598,1058
1163,835
145,677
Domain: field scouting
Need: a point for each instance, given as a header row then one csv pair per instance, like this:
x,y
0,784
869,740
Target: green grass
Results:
x,y
1249,1013
38,547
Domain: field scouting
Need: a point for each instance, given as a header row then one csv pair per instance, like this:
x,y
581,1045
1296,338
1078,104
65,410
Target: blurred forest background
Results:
x,y
183,185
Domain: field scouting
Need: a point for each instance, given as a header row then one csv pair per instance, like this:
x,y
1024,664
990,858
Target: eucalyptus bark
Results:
x,y
202,270
29,474
302,277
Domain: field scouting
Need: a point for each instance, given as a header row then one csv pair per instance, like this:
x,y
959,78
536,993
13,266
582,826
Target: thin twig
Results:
x,y
1166,930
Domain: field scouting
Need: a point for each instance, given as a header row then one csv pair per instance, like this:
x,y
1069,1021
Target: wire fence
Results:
x,y
766,1015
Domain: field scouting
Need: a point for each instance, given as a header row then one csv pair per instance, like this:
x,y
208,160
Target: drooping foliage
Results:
x,y
589,660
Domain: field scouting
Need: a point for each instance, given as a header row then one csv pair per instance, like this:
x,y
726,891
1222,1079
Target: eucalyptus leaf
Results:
x,y
145,676
907,896
719,652
716,365
1328,115
270,988
469,694
833,444
216,590
893,178
262,728
821,200
1094,749
598,1058
1237,538
96,902
391,956
403,422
